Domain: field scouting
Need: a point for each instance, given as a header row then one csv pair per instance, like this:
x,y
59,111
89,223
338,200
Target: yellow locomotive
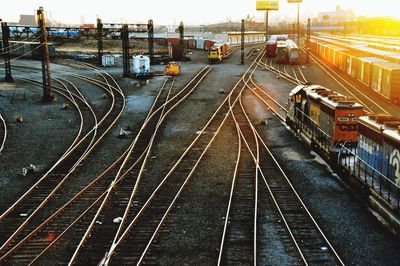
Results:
x,y
172,69
217,53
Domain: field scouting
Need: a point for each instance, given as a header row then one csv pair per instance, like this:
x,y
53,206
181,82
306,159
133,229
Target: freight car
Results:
x,y
281,54
271,46
292,52
217,53
325,119
376,73
379,146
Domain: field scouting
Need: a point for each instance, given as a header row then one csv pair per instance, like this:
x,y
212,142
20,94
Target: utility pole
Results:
x,y
99,31
150,38
125,51
242,43
308,40
293,32
44,54
266,25
298,24
6,51
181,41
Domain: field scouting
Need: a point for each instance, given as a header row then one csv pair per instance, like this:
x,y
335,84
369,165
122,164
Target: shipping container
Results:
x,y
390,87
365,69
338,57
376,78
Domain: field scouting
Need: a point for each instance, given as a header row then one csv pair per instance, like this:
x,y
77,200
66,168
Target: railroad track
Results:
x,y
295,75
76,213
35,198
133,247
3,133
370,105
307,245
239,238
123,203
135,241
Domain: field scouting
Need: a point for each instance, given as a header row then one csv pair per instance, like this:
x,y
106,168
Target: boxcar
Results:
x,y
281,54
271,46
386,80
365,68
292,51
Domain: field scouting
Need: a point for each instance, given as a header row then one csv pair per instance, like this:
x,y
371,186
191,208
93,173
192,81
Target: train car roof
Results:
x,y
291,44
371,59
369,122
281,43
389,126
331,98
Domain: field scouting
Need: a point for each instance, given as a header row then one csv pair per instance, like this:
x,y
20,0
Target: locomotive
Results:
x,y
329,122
324,118
217,52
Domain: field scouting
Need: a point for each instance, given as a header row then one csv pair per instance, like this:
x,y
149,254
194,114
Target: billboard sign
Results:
x,y
267,4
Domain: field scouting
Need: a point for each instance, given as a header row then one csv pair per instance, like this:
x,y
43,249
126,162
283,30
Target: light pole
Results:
x,y
266,25
298,24
298,18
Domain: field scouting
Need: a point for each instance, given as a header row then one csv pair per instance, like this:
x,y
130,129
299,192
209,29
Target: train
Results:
x,y
281,56
287,51
373,71
271,46
217,52
141,66
172,69
323,117
292,52
330,122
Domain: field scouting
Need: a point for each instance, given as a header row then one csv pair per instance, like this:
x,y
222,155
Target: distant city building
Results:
x,y
29,20
335,17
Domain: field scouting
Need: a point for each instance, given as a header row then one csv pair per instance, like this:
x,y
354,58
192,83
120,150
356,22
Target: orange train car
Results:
x,y
325,118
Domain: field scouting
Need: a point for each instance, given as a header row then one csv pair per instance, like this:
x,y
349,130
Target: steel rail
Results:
x,y
3,142
75,255
111,252
53,191
79,195
292,188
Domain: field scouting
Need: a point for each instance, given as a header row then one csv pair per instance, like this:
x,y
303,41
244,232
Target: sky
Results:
x,y
191,12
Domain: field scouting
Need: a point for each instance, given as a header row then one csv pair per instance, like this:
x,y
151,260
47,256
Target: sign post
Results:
x,y
267,5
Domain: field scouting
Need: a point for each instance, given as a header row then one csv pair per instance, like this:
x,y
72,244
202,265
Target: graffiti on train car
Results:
x,y
395,162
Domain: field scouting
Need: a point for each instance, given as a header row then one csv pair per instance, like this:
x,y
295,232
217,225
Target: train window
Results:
x,y
343,119
354,119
